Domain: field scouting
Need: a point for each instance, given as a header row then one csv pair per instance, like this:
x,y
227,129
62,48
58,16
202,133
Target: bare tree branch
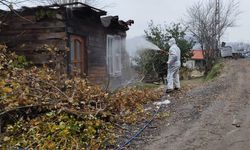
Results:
x,y
208,29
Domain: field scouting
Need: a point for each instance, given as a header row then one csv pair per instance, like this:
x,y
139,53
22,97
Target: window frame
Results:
x,y
114,55
78,61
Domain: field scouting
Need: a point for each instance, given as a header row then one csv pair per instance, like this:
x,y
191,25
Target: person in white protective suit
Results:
x,y
174,64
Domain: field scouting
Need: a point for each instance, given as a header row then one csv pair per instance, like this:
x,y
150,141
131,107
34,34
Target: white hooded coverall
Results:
x,y
174,64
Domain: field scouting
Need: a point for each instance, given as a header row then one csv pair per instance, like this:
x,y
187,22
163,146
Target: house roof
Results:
x,y
81,8
73,6
197,55
111,22
114,22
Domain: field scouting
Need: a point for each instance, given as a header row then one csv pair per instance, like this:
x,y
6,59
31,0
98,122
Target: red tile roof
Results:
x,y
197,55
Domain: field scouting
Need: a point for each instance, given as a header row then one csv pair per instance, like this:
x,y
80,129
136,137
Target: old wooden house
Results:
x,y
69,37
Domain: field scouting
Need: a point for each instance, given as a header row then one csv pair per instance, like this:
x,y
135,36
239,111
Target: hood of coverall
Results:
x,y
171,42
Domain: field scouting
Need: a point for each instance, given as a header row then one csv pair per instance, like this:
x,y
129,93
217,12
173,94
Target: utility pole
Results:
x,y
217,25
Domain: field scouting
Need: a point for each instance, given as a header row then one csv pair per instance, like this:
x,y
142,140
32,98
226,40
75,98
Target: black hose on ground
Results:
x,y
140,131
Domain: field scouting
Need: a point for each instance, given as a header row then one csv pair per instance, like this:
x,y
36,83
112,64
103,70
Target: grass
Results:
x,y
147,86
215,71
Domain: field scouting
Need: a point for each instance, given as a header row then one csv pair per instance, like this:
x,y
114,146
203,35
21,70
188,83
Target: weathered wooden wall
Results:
x,y
96,35
94,32
35,39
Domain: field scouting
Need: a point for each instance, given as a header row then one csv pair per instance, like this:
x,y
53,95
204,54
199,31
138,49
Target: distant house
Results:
x,y
82,37
197,60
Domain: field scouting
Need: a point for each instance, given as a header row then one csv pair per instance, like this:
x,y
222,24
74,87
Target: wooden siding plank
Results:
x,y
29,31
36,25
59,35
33,37
40,47
14,19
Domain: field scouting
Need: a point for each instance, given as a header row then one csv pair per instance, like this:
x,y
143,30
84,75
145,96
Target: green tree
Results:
x,y
208,24
178,32
154,63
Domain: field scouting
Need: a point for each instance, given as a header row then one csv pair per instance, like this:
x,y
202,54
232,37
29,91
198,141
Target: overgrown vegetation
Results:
x,y
207,21
215,71
41,110
153,64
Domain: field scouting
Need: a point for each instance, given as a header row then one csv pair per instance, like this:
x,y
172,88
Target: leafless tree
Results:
x,y
97,3
207,21
72,1
13,4
10,4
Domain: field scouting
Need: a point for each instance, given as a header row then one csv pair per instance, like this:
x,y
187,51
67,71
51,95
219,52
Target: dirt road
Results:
x,y
215,116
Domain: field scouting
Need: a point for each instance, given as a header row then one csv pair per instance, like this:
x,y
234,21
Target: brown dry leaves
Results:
x,y
76,114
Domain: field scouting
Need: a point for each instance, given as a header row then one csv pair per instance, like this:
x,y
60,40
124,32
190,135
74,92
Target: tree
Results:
x,y
88,2
11,4
207,21
178,32
155,62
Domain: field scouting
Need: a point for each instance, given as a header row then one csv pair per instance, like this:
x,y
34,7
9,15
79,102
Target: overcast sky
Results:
x,y
160,11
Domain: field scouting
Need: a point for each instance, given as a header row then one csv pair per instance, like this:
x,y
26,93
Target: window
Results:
x,y
77,55
114,47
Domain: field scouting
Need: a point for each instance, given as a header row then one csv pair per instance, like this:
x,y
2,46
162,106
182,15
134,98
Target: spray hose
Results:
x,y
140,131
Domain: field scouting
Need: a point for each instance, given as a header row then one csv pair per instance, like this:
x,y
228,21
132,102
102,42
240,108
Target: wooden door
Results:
x,y
78,54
